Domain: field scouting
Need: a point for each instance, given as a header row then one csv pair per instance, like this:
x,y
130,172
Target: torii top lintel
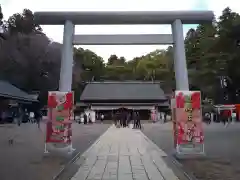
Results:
x,y
122,17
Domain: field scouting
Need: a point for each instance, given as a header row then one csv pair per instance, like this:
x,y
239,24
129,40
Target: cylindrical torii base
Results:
x,y
65,82
180,64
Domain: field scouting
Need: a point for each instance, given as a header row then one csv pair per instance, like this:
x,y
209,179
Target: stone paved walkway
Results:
x,y
124,154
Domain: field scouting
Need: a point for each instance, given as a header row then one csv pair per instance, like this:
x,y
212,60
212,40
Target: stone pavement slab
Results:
x,y
124,154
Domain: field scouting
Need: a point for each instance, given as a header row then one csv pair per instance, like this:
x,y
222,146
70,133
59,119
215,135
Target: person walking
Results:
x,y
89,118
125,117
138,124
234,116
102,118
20,116
31,117
81,118
207,118
165,117
85,118
117,119
128,119
121,118
224,117
134,120
114,119
38,116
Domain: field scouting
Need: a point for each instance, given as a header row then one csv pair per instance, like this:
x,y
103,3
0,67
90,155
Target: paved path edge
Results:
x,y
189,175
172,161
79,155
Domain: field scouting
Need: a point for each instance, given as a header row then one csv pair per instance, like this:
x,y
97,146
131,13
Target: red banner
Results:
x,y
188,118
60,106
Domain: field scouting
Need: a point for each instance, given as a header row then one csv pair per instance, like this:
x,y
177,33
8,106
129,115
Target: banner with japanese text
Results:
x,y
188,117
59,125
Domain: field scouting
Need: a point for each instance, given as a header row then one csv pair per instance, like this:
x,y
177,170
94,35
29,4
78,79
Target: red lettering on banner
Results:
x,y
180,100
196,100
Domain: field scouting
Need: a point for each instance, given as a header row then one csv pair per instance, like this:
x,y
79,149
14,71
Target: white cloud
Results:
x,y
55,32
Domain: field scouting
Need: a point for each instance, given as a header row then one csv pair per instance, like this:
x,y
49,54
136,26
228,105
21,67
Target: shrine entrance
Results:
x,y
175,18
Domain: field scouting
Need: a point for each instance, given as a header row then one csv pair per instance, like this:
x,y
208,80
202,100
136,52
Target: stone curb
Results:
x,y
77,156
179,165
173,160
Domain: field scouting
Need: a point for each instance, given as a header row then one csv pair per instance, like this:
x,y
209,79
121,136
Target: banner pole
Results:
x,y
45,148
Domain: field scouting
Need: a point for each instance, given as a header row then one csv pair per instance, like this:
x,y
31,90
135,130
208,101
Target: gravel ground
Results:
x,y
222,161
25,160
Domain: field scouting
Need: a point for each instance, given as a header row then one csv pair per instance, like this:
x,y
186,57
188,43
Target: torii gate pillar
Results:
x,y
65,82
180,64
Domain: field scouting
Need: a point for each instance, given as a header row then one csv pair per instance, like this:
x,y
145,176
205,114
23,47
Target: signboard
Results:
x,y
153,115
60,108
188,125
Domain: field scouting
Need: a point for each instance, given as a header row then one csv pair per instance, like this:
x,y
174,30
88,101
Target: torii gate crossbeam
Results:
x,y
175,18
123,39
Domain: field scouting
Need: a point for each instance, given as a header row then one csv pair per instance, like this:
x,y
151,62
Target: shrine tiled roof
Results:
x,y
8,90
133,90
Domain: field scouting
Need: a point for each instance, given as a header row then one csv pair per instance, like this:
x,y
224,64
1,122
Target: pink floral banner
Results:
x,y
188,117
60,106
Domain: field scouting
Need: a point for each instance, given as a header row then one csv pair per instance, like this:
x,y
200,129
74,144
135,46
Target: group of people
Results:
x,y
224,116
124,118
86,118
20,115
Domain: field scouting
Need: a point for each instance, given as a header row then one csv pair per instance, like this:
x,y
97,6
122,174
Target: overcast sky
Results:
x,y
56,32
